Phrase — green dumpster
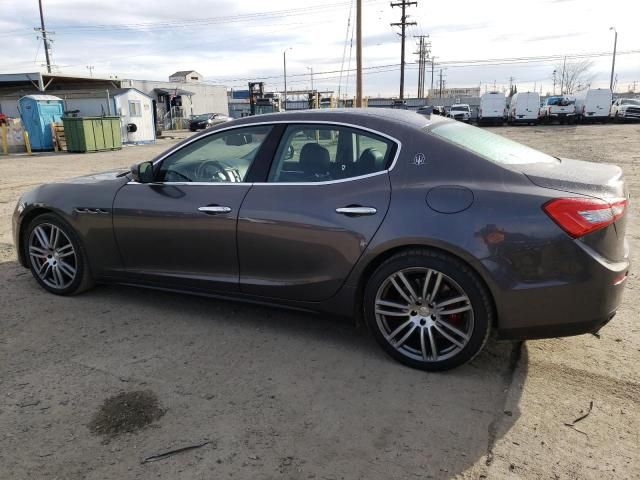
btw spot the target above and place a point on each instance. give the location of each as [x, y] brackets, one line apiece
[92, 134]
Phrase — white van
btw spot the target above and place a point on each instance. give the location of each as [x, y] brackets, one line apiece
[594, 104]
[524, 108]
[493, 108]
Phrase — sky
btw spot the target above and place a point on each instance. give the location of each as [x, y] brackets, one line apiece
[231, 42]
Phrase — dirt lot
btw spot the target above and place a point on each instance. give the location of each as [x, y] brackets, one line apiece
[276, 394]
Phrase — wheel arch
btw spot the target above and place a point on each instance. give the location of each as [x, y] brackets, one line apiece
[22, 229]
[376, 260]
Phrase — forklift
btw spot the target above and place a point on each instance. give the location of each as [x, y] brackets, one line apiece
[262, 102]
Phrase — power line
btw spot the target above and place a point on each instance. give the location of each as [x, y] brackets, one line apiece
[403, 25]
[193, 23]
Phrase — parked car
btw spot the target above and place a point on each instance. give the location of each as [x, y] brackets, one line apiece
[206, 120]
[493, 108]
[624, 109]
[560, 108]
[461, 112]
[425, 110]
[259, 210]
[593, 105]
[523, 108]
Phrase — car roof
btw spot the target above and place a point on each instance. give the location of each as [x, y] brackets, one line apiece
[375, 118]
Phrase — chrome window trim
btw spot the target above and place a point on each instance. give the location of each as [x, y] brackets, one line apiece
[287, 122]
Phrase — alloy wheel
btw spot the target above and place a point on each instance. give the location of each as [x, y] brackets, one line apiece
[424, 314]
[53, 256]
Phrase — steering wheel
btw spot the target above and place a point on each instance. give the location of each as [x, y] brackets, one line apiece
[215, 171]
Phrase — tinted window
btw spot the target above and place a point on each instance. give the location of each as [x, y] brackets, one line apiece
[491, 146]
[320, 153]
[222, 157]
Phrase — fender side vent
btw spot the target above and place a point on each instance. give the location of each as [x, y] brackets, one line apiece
[90, 210]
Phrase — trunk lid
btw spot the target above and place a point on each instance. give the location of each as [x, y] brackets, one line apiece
[599, 180]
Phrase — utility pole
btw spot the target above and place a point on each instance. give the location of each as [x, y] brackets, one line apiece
[90, 68]
[440, 83]
[45, 40]
[311, 70]
[403, 25]
[284, 59]
[554, 81]
[433, 64]
[359, 53]
[613, 61]
[564, 69]
[424, 50]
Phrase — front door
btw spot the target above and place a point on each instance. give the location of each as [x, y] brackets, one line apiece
[301, 232]
[180, 230]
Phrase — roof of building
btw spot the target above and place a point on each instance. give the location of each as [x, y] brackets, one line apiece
[42, 97]
[182, 73]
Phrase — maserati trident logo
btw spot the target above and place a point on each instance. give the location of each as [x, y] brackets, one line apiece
[419, 159]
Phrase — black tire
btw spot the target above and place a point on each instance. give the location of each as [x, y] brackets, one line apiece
[478, 321]
[81, 280]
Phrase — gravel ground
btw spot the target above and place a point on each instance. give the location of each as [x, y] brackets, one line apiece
[267, 393]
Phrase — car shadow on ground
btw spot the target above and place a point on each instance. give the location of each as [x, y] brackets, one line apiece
[266, 384]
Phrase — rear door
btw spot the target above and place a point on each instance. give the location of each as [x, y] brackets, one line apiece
[301, 232]
[180, 230]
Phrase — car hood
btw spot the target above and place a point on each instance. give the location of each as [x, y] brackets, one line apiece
[96, 177]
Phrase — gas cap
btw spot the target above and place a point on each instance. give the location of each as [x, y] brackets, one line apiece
[449, 198]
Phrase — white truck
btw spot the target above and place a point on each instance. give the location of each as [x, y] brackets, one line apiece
[560, 108]
[593, 105]
[493, 108]
[624, 109]
[460, 111]
[523, 108]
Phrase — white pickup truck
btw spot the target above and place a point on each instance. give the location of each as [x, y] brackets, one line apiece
[558, 108]
[626, 109]
[460, 111]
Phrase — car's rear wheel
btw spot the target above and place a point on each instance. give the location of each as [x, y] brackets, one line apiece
[428, 310]
[56, 257]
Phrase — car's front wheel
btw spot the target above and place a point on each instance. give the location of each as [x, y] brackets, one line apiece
[56, 257]
[428, 310]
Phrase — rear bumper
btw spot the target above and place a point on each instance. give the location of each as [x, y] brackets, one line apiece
[558, 308]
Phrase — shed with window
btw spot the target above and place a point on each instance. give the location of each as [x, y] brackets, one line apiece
[136, 115]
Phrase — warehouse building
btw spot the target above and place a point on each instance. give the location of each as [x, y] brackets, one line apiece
[172, 101]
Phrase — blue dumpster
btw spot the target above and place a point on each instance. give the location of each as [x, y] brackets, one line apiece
[37, 113]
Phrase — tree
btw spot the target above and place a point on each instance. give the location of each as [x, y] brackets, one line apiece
[574, 76]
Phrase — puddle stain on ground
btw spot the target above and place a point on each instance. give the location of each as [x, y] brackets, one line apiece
[126, 412]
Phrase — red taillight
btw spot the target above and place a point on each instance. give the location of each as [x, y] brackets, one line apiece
[579, 216]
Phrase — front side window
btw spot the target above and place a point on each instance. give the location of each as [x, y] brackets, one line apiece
[222, 157]
[321, 153]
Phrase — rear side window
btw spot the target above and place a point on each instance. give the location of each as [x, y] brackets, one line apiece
[493, 147]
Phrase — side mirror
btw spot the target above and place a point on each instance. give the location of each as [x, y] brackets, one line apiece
[142, 172]
[290, 152]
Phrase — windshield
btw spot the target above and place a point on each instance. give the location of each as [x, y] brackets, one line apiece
[459, 108]
[493, 147]
[630, 101]
[560, 101]
[204, 116]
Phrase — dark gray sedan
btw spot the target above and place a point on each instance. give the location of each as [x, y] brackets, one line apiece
[433, 232]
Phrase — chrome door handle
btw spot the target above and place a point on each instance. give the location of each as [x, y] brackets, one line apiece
[356, 211]
[214, 209]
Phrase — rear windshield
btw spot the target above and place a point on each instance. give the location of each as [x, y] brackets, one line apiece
[493, 147]
[629, 101]
[459, 108]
